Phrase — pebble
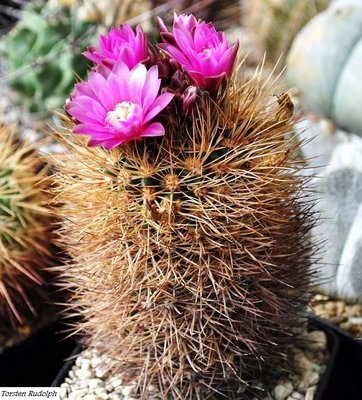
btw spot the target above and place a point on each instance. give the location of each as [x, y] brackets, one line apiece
[95, 383]
[95, 361]
[77, 394]
[127, 390]
[283, 390]
[309, 395]
[85, 364]
[100, 373]
[310, 378]
[91, 397]
[114, 396]
[62, 391]
[303, 362]
[115, 381]
[84, 373]
[355, 320]
[102, 393]
[317, 340]
[296, 396]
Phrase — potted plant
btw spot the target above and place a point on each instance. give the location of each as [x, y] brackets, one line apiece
[184, 215]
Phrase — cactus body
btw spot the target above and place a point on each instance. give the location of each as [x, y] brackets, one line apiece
[25, 227]
[327, 76]
[43, 56]
[190, 258]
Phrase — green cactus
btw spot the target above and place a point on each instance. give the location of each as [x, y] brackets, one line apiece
[25, 234]
[43, 56]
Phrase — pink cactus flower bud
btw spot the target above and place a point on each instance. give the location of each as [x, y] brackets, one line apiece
[120, 44]
[189, 98]
[119, 107]
[202, 52]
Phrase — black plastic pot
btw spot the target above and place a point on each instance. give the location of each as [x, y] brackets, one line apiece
[37, 360]
[342, 379]
[45, 360]
[67, 366]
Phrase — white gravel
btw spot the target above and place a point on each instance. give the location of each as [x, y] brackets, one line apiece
[90, 379]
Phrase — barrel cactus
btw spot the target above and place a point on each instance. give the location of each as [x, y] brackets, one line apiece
[25, 233]
[324, 65]
[183, 216]
[43, 56]
[273, 24]
[337, 168]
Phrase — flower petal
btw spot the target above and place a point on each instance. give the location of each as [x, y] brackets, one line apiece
[154, 129]
[150, 88]
[160, 103]
[136, 82]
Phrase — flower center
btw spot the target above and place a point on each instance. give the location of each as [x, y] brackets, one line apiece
[207, 51]
[122, 112]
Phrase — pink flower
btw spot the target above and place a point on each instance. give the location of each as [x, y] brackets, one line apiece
[120, 44]
[119, 107]
[202, 52]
